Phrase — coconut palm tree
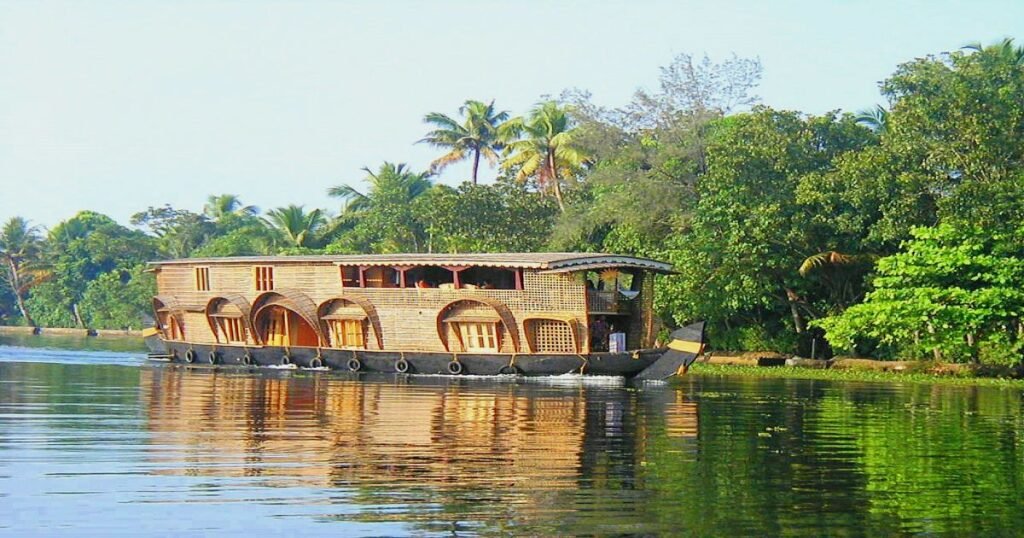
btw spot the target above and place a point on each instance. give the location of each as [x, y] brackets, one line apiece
[1004, 49]
[219, 207]
[299, 229]
[393, 181]
[876, 119]
[482, 132]
[546, 151]
[20, 246]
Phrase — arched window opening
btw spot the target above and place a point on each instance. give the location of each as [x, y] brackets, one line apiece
[168, 318]
[227, 322]
[346, 324]
[172, 328]
[477, 326]
[279, 326]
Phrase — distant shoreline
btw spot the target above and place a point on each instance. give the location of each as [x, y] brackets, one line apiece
[66, 331]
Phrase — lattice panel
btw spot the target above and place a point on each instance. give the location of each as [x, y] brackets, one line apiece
[551, 336]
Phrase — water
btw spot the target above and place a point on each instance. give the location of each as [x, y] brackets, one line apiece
[100, 443]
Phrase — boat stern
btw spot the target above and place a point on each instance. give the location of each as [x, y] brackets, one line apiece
[687, 344]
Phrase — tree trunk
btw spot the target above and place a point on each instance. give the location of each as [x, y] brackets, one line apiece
[975, 359]
[16, 288]
[476, 164]
[798, 321]
[555, 183]
[78, 317]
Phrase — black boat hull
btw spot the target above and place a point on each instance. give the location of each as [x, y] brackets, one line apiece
[626, 364]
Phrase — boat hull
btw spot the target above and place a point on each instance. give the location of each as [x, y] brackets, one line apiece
[627, 364]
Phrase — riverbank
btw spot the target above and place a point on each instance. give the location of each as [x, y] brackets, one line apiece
[65, 331]
[857, 370]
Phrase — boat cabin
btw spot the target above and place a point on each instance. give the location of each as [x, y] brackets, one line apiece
[550, 303]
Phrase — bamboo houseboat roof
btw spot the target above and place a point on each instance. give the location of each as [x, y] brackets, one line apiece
[545, 262]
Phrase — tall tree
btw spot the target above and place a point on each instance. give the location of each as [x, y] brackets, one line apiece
[219, 207]
[20, 246]
[383, 218]
[547, 152]
[298, 228]
[875, 119]
[1005, 49]
[483, 131]
[179, 232]
[78, 251]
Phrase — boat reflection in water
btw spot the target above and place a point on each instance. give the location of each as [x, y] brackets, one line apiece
[433, 449]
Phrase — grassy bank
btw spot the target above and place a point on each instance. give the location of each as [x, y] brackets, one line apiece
[706, 369]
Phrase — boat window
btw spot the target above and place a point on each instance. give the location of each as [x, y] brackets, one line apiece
[347, 333]
[381, 277]
[172, 328]
[264, 277]
[350, 277]
[202, 279]
[550, 336]
[493, 278]
[478, 336]
[229, 330]
[428, 277]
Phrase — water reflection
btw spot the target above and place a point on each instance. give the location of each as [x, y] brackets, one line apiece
[478, 449]
[156, 451]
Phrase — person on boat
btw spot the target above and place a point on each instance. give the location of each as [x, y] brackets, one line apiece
[599, 331]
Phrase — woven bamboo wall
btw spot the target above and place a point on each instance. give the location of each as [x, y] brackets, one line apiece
[408, 317]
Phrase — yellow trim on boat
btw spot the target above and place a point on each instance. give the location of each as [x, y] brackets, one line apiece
[685, 346]
[150, 331]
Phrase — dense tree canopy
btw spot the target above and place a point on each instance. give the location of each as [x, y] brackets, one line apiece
[894, 232]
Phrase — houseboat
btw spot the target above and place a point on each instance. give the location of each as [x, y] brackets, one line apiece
[449, 314]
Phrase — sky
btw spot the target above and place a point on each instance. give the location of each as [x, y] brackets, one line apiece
[118, 106]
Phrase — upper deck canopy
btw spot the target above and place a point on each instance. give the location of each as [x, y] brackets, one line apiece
[547, 262]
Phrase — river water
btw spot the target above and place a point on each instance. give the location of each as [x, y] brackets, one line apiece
[98, 442]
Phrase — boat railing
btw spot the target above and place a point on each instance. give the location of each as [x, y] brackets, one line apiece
[606, 302]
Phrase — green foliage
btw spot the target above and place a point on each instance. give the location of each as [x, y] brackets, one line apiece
[81, 249]
[547, 153]
[955, 293]
[246, 236]
[296, 228]
[178, 232]
[384, 219]
[504, 217]
[749, 234]
[483, 133]
[119, 299]
[21, 267]
[51, 306]
[773, 219]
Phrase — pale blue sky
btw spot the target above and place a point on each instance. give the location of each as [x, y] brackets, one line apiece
[116, 106]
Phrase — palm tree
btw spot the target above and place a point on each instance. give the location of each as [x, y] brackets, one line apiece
[20, 246]
[546, 151]
[219, 207]
[483, 132]
[390, 180]
[876, 119]
[299, 228]
[1004, 49]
